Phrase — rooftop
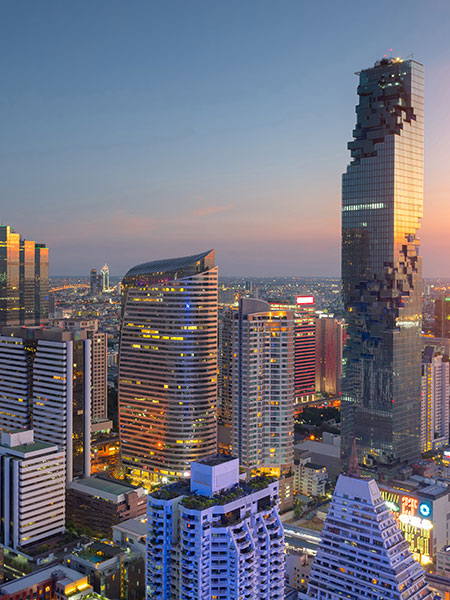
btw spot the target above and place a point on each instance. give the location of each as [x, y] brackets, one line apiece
[109, 487]
[22, 583]
[215, 459]
[170, 265]
[27, 448]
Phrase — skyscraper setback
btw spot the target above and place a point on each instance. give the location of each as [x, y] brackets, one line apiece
[23, 280]
[168, 366]
[382, 200]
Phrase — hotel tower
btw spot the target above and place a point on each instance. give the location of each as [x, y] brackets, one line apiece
[382, 197]
[168, 366]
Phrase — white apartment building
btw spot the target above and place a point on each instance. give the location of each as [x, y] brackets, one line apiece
[362, 553]
[435, 400]
[309, 479]
[32, 489]
[218, 537]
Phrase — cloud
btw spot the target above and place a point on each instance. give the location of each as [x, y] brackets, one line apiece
[211, 210]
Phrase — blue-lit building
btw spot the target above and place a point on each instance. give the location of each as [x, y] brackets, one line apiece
[215, 536]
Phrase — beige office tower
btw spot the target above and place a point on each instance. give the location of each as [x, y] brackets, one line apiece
[263, 390]
[168, 366]
[23, 280]
[99, 362]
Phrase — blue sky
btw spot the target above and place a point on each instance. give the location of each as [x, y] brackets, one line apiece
[139, 130]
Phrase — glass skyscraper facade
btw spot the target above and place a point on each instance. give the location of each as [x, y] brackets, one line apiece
[382, 202]
[168, 366]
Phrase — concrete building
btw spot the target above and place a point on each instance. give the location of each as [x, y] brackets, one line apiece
[115, 574]
[99, 362]
[168, 367]
[261, 384]
[45, 384]
[298, 567]
[330, 336]
[420, 507]
[96, 504]
[132, 534]
[215, 538]
[435, 400]
[443, 561]
[32, 489]
[326, 453]
[362, 553]
[56, 582]
[309, 479]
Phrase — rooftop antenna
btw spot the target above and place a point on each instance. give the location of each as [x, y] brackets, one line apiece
[353, 466]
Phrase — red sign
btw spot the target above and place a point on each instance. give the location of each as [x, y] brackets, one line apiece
[409, 505]
[305, 299]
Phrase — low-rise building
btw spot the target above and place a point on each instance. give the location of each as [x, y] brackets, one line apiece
[114, 573]
[57, 582]
[131, 534]
[309, 479]
[95, 504]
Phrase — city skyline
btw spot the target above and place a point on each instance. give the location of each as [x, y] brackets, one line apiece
[188, 125]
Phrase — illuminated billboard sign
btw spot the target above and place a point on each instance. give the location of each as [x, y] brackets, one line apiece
[305, 300]
[413, 517]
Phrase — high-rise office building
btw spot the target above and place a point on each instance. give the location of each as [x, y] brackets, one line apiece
[99, 362]
[23, 280]
[225, 379]
[45, 385]
[382, 198]
[362, 553]
[32, 489]
[260, 344]
[305, 346]
[330, 335]
[168, 366]
[94, 283]
[217, 538]
[105, 278]
[435, 400]
[442, 316]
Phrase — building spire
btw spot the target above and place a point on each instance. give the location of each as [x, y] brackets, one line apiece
[353, 467]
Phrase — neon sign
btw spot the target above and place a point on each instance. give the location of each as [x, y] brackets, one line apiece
[409, 505]
[305, 299]
[424, 510]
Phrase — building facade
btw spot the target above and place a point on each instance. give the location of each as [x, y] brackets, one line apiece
[45, 385]
[304, 346]
[32, 489]
[105, 278]
[56, 582]
[435, 400]
[23, 280]
[382, 199]
[217, 538]
[442, 316]
[262, 387]
[99, 362]
[168, 366]
[362, 553]
[330, 335]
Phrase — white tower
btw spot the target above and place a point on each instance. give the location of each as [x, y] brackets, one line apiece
[362, 553]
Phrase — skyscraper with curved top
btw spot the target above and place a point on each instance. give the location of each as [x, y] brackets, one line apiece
[382, 200]
[168, 366]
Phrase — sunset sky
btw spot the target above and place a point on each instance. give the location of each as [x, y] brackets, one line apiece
[137, 130]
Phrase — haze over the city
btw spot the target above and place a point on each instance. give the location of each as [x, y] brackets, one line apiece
[172, 128]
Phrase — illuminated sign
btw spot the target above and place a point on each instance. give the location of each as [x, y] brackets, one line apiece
[392, 506]
[424, 509]
[305, 299]
[416, 522]
[409, 505]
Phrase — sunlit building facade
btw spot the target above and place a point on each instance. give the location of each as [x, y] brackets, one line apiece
[330, 336]
[105, 278]
[442, 316]
[23, 280]
[168, 366]
[382, 202]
